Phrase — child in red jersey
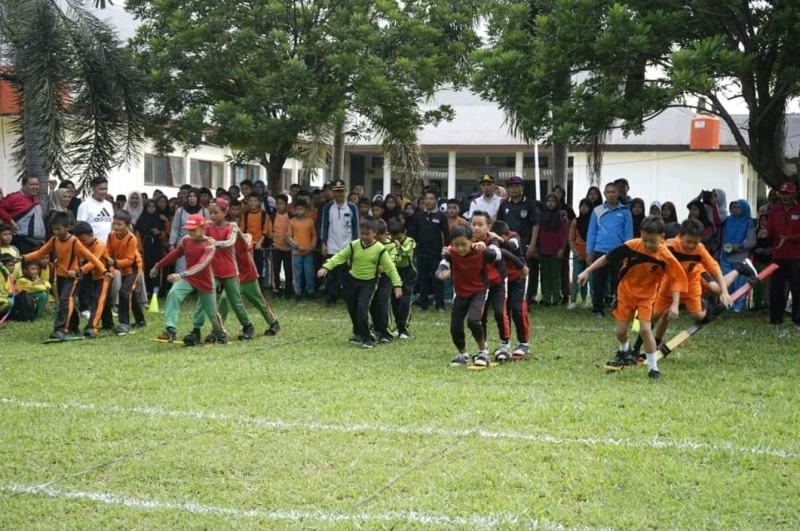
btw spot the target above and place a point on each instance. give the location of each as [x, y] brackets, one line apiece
[226, 272]
[197, 277]
[517, 304]
[466, 261]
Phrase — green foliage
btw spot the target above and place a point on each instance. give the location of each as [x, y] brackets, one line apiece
[569, 70]
[268, 75]
[83, 98]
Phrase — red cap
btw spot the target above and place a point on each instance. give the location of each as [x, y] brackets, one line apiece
[195, 221]
[788, 188]
[222, 203]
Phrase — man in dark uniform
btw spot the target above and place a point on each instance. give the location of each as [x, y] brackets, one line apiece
[521, 215]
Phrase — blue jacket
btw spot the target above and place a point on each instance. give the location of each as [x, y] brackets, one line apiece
[609, 228]
[326, 209]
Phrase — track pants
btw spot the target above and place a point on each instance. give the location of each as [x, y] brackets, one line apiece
[97, 303]
[401, 308]
[471, 308]
[230, 289]
[359, 294]
[379, 307]
[250, 292]
[517, 308]
[497, 300]
[67, 319]
[207, 301]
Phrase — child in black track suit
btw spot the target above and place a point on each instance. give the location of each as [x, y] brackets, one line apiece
[517, 286]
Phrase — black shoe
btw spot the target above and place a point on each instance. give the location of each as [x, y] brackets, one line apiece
[355, 340]
[216, 338]
[748, 270]
[170, 334]
[367, 344]
[273, 329]
[597, 315]
[654, 375]
[90, 334]
[385, 340]
[247, 332]
[58, 334]
[139, 324]
[193, 338]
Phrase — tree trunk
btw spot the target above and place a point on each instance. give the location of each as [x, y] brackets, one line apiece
[35, 150]
[767, 137]
[274, 165]
[337, 154]
[559, 165]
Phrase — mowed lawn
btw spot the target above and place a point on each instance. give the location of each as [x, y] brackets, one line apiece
[304, 431]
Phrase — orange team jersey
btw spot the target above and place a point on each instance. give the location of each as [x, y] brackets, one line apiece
[457, 222]
[694, 263]
[68, 252]
[312, 215]
[123, 250]
[256, 224]
[98, 249]
[304, 232]
[280, 228]
[640, 274]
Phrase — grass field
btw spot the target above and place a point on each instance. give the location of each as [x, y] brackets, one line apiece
[303, 431]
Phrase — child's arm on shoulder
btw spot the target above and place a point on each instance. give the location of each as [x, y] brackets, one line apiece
[443, 271]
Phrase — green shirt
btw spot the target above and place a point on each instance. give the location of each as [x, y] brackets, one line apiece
[404, 254]
[365, 262]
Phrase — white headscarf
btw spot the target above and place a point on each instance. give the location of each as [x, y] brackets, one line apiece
[722, 206]
[135, 212]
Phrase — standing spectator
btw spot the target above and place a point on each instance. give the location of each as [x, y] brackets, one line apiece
[391, 208]
[762, 257]
[738, 239]
[59, 201]
[593, 194]
[623, 187]
[655, 209]
[551, 248]
[75, 202]
[255, 222]
[609, 227]
[570, 215]
[397, 192]
[134, 206]
[637, 215]
[783, 226]
[488, 201]
[430, 229]
[302, 237]
[151, 233]
[670, 217]
[578, 233]
[522, 217]
[716, 208]
[338, 227]
[180, 220]
[97, 210]
[282, 252]
[21, 210]
[711, 234]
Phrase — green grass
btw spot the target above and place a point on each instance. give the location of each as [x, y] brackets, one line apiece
[303, 431]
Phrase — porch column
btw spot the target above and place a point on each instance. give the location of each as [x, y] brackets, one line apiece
[451, 174]
[387, 175]
[519, 164]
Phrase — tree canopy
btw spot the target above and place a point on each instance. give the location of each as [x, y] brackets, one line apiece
[570, 70]
[263, 76]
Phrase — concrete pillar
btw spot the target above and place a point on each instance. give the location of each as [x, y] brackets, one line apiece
[519, 164]
[451, 174]
[387, 175]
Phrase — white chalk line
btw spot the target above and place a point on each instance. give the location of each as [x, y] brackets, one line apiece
[292, 515]
[659, 444]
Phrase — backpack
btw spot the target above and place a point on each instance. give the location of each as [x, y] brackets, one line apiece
[24, 308]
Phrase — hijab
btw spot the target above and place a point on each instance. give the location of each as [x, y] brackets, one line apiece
[637, 218]
[656, 204]
[736, 227]
[599, 200]
[148, 221]
[551, 218]
[722, 206]
[583, 220]
[56, 200]
[135, 212]
[391, 213]
[189, 209]
[674, 217]
[703, 216]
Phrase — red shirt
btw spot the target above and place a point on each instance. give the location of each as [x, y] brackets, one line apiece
[513, 245]
[784, 222]
[496, 270]
[469, 273]
[244, 259]
[198, 263]
[224, 263]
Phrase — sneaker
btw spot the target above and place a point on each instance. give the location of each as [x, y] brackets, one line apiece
[139, 324]
[385, 340]
[85, 314]
[90, 334]
[122, 330]
[247, 332]
[654, 375]
[624, 358]
[355, 340]
[367, 344]
[216, 338]
[461, 360]
[403, 335]
[481, 359]
[571, 306]
[193, 338]
[115, 311]
[168, 335]
[273, 329]
[58, 334]
[748, 270]
[501, 354]
[520, 351]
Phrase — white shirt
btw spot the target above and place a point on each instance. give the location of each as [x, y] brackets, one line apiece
[481, 204]
[339, 227]
[99, 215]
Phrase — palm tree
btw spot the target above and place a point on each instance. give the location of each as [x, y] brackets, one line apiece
[82, 97]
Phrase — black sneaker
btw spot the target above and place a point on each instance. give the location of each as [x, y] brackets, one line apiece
[385, 340]
[122, 330]
[90, 334]
[139, 324]
[193, 338]
[273, 329]
[748, 270]
[481, 359]
[367, 344]
[220, 339]
[58, 334]
[355, 340]
[654, 375]
[247, 332]
[624, 358]
[170, 334]
[460, 361]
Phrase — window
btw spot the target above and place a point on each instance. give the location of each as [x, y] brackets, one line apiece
[207, 174]
[251, 172]
[163, 171]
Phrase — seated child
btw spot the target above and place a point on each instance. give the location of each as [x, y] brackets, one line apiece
[33, 283]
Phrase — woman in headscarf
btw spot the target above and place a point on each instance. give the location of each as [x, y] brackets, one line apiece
[151, 231]
[58, 201]
[594, 195]
[717, 210]
[637, 214]
[578, 233]
[134, 207]
[711, 237]
[391, 208]
[738, 239]
[655, 208]
[570, 215]
[670, 216]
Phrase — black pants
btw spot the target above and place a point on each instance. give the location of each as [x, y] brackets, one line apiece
[428, 283]
[497, 300]
[517, 309]
[472, 309]
[282, 259]
[335, 280]
[601, 277]
[533, 279]
[67, 319]
[379, 307]
[788, 272]
[358, 294]
[261, 259]
[85, 293]
[100, 289]
[128, 302]
[402, 307]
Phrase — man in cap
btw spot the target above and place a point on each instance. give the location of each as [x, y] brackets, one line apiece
[783, 227]
[488, 201]
[338, 227]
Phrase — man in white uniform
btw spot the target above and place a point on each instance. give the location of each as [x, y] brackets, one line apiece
[488, 201]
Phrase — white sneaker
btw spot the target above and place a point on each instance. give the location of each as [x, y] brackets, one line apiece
[520, 351]
[85, 314]
[571, 306]
[403, 335]
[502, 349]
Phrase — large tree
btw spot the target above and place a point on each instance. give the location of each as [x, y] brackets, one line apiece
[82, 96]
[263, 77]
[625, 63]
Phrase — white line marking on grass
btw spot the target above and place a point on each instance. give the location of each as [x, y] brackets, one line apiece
[291, 515]
[660, 444]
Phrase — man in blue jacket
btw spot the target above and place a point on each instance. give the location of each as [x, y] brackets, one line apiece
[610, 226]
[338, 227]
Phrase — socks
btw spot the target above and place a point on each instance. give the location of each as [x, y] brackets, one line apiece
[625, 347]
[651, 362]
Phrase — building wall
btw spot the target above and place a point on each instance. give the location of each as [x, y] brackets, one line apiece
[672, 176]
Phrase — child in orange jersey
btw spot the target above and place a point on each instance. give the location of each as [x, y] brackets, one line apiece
[100, 283]
[301, 237]
[282, 252]
[644, 262]
[256, 222]
[122, 250]
[68, 251]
